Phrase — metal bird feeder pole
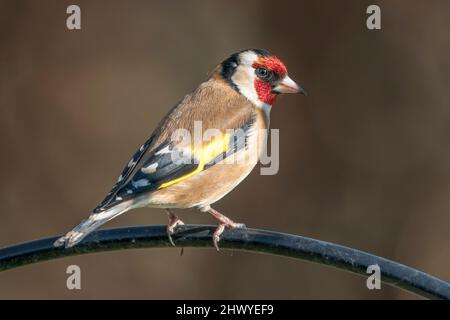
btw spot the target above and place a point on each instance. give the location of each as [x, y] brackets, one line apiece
[250, 240]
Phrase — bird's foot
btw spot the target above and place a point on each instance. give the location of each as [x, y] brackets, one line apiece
[174, 222]
[221, 228]
[224, 222]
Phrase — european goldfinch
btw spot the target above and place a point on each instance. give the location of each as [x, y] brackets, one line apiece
[172, 171]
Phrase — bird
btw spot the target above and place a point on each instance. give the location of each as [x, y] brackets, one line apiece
[172, 170]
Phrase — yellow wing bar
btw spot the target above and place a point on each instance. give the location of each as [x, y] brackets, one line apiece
[203, 154]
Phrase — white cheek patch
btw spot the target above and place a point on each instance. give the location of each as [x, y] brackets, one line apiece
[244, 77]
[245, 81]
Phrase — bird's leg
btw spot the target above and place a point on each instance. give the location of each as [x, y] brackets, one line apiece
[224, 222]
[174, 222]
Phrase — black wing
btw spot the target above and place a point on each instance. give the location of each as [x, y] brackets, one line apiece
[166, 165]
[124, 176]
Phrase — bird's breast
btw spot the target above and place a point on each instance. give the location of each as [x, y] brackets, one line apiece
[211, 184]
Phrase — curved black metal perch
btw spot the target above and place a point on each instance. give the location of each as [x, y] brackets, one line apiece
[262, 241]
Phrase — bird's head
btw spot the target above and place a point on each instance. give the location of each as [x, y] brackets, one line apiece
[258, 75]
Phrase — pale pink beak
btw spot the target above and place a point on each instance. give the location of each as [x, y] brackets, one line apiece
[287, 85]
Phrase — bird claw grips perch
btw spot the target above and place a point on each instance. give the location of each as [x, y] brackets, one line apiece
[249, 240]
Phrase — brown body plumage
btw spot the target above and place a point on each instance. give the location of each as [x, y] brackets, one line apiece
[235, 103]
[227, 109]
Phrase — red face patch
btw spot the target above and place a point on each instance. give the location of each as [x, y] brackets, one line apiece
[264, 89]
[274, 64]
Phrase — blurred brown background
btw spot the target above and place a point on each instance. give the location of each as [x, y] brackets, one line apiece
[364, 158]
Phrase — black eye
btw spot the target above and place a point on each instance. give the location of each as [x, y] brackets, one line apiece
[264, 74]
